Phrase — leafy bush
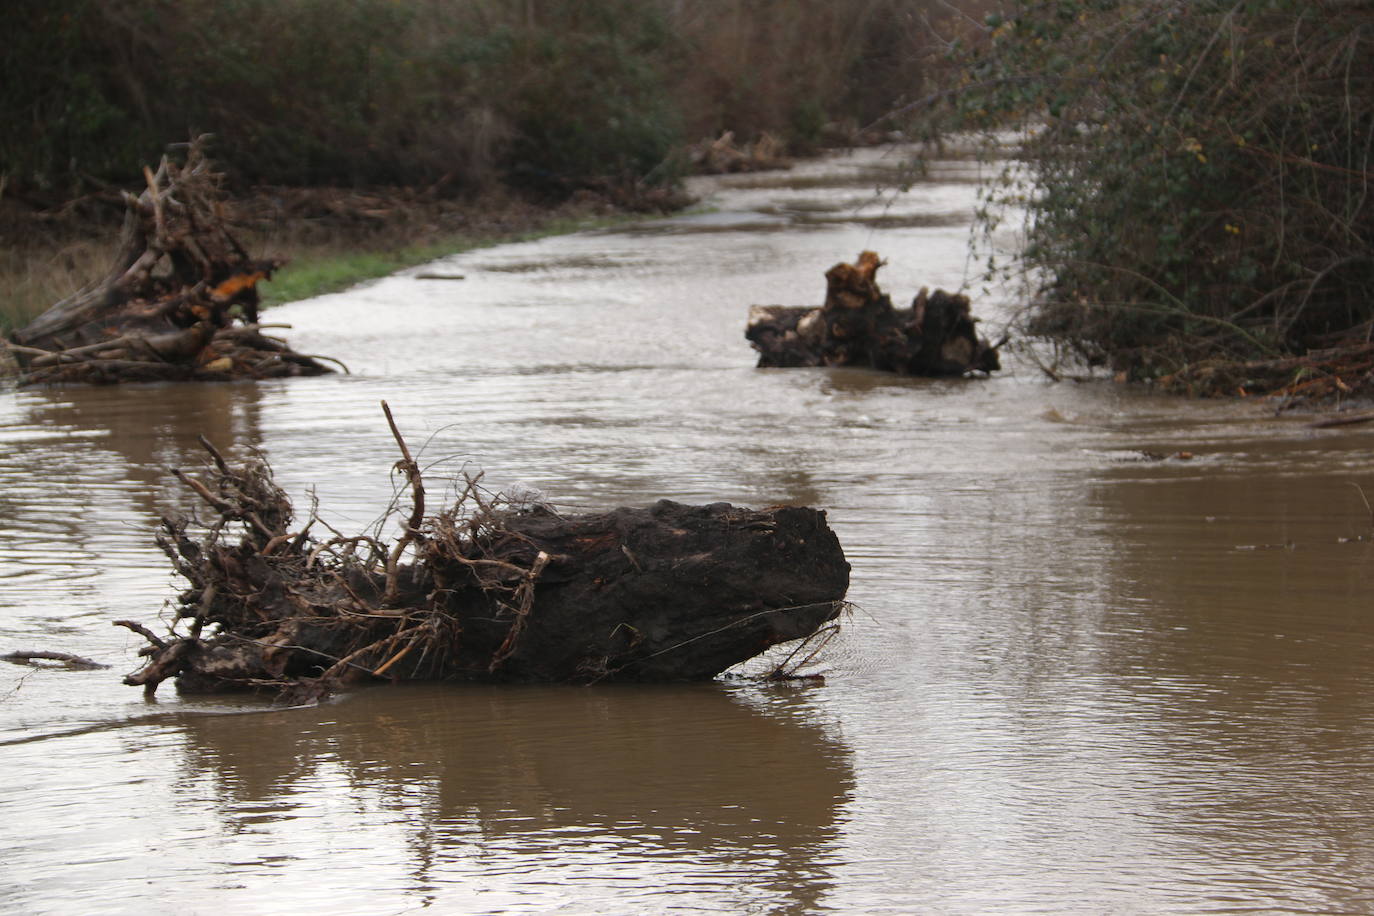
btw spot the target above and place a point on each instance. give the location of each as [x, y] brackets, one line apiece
[65, 111]
[328, 92]
[460, 92]
[592, 98]
[1199, 172]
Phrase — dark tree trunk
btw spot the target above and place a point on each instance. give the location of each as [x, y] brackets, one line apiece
[490, 592]
[857, 326]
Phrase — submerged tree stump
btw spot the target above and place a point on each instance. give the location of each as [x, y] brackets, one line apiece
[858, 326]
[483, 591]
[180, 301]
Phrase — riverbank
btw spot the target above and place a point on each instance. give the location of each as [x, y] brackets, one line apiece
[330, 238]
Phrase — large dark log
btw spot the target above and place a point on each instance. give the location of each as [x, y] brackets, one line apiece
[858, 326]
[488, 591]
[175, 303]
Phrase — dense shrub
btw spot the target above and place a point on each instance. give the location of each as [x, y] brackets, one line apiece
[65, 101]
[592, 98]
[328, 92]
[551, 94]
[1198, 172]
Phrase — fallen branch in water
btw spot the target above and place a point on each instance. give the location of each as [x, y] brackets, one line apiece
[66, 659]
[1352, 419]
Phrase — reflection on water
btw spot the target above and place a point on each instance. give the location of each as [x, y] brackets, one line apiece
[85, 475]
[593, 786]
[118, 419]
[1083, 673]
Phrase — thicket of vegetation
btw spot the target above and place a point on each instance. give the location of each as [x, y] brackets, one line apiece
[1196, 172]
[413, 127]
[1197, 179]
[543, 94]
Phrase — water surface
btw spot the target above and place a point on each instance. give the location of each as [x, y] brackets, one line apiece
[1077, 678]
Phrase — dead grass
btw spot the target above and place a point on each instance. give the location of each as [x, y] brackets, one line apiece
[33, 277]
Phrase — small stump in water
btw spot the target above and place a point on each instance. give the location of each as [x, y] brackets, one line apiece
[179, 303]
[483, 591]
[857, 326]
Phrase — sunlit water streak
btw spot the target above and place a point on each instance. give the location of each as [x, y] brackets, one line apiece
[1076, 679]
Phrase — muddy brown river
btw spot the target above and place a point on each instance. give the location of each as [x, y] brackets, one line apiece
[1075, 679]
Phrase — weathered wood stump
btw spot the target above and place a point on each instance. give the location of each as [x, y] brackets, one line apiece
[858, 326]
[484, 591]
[180, 301]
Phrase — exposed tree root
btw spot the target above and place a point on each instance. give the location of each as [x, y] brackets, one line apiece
[857, 326]
[179, 303]
[482, 590]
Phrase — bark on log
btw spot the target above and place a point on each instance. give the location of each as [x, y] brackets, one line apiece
[858, 326]
[168, 306]
[492, 592]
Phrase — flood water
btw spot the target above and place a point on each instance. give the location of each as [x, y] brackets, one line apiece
[1075, 679]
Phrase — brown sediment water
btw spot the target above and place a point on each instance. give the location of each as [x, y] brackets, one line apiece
[1109, 651]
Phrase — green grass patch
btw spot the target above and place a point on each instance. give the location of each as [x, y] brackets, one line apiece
[317, 272]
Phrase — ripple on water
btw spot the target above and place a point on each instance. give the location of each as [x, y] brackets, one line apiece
[1061, 684]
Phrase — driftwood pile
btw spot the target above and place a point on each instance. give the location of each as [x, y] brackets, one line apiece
[858, 326]
[483, 590]
[724, 155]
[1320, 375]
[180, 301]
